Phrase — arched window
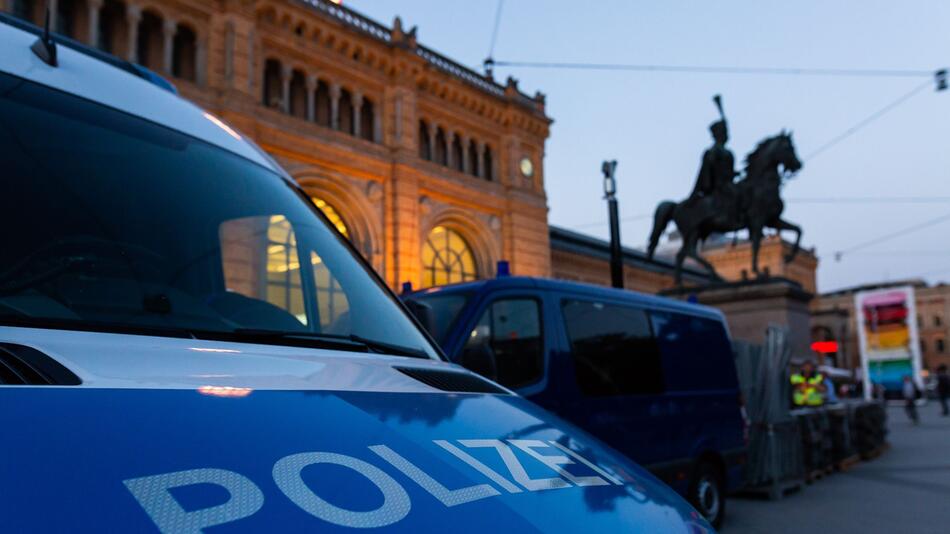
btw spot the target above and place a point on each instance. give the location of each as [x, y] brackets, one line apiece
[472, 159]
[112, 27]
[151, 41]
[298, 94]
[272, 84]
[185, 54]
[425, 150]
[446, 258]
[487, 169]
[331, 300]
[439, 150]
[346, 111]
[367, 122]
[458, 156]
[322, 103]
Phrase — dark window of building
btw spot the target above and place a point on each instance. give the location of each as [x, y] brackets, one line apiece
[938, 321]
[322, 102]
[367, 122]
[346, 111]
[614, 350]
[697, 354]
[425, 150]
[472, 159]
[458, 155]
[24, 9]
[923, 346]
[439, 150]
[66, 17]
[185, 55]
[298, 94]
[272, 84]
[487, 169]
[940, 346]
[512, 329]
[112, 27]
[151, 41]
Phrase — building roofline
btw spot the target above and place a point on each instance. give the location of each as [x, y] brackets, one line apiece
[380, 32]
[578, 243]
[917, 283]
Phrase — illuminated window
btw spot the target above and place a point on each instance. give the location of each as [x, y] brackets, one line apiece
[333, 215]
[331, 299]
[283, 268]
[446, 258]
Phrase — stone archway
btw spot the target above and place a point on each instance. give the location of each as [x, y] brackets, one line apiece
[355, 207]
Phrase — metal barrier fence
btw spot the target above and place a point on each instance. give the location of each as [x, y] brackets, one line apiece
[788, 447]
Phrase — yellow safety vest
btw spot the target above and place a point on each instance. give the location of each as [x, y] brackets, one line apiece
[810, 396]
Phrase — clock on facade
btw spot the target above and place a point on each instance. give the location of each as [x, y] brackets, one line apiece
[527, 167]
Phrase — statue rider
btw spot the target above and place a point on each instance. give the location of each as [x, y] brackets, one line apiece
[718, 168]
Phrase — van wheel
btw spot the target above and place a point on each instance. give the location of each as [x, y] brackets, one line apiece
[706, 493]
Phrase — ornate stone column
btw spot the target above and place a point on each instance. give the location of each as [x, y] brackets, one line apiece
[335, 106]
[357, 112]
[480, 157]
[466, 157]
[169, 29]
[53, 6]
[449, 156]
[133, 16]
[378, 123]
[93, 7]
[433, 128]
[312, 83]
[286, 72]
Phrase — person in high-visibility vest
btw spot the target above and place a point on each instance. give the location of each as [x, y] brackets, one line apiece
[809, 386]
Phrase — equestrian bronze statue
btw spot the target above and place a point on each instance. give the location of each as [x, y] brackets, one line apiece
[719, 204]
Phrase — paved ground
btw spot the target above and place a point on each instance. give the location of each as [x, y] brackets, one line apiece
[907, 489]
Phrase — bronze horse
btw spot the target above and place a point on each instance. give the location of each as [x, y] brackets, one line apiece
[753, 203]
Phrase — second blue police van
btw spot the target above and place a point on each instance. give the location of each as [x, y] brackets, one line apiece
[651, 376]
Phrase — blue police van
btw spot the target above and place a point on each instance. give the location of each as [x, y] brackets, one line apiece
[169, 362]
[653, 377]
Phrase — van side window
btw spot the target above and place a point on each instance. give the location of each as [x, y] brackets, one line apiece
[613, 348]
[512, 329]
[697, 354]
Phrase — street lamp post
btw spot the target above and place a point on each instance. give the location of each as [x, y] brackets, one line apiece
[610, 190]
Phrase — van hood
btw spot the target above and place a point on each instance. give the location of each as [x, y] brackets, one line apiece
[240, 458]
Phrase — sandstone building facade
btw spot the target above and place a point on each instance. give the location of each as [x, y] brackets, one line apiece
[432, 170]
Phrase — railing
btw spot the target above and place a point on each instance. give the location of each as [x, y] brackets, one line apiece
[464, 73]
[351, 18]
[377, 30]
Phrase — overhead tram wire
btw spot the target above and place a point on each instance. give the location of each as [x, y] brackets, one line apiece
[887, 237]
[494, 32]
[717, 69]
[868, 120]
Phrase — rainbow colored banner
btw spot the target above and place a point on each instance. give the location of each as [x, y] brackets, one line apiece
[888, 337]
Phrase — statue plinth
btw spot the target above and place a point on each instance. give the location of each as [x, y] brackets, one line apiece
[751, 306]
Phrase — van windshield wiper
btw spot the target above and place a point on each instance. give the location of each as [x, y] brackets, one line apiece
[349, 342]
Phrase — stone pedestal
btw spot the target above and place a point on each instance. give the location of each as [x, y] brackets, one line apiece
[751, 306]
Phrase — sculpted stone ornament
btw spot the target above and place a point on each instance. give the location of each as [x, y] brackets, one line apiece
[719, 204]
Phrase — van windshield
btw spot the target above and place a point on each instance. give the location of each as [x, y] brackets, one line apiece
[114, 223]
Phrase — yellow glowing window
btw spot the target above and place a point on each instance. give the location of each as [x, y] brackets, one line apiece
[333, 215]
[446, 258]
[283, 268]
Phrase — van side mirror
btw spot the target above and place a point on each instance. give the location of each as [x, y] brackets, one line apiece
[423, 313]
[480, 359]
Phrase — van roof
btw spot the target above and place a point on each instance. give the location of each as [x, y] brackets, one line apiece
[547, 284]
[104, 79]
